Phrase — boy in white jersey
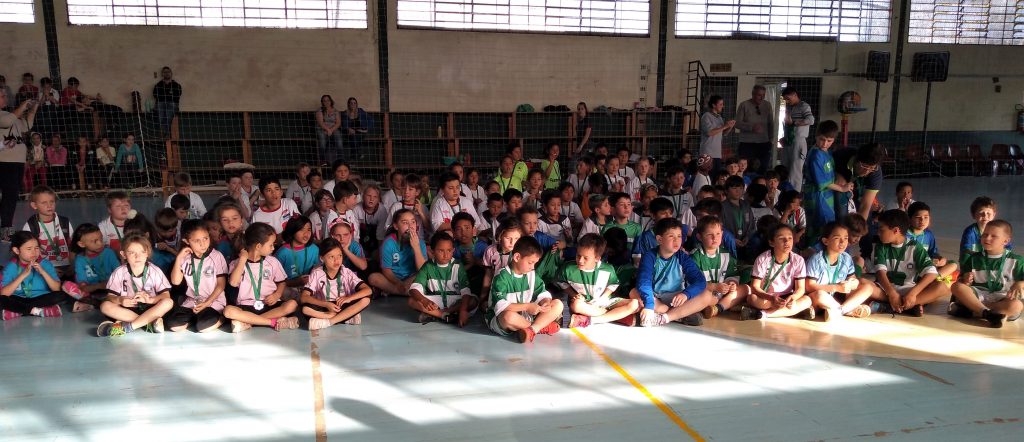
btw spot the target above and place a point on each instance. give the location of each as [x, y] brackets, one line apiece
[119, 206]
[299, 190]
[275, 210]
[54, 232]
[183, 186]
[441, 289]
[590, 284]
[905, 275]
[346, 196]
[992, 283]
[552, 222]
[450, 203]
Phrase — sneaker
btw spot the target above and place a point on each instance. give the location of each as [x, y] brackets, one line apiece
[287, 323]
[994, 319]
[829, 315]
[810, 313]
[157, 326]
[628, 321]
[8, 315]
[52, 311]
[423, 318]
[355, 320]
[525, 335]
[710, 311]
[111, 329]
[958, 311]
[579, 321]
[72, 289]
[860, 311]
[748, 313]
[239, 326]
[881, 307]
[658, 320]
[550, 329]
[916, 311]
[319, 323]
[694, 320]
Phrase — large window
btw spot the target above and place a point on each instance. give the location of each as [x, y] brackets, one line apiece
[616, 17]
[847, 20]
[244, 13]
[987, 22]
[17, 11]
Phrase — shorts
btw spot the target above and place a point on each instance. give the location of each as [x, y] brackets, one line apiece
[179, 316]
[606, 303]
[251, 309]
[452, 300]
[496, 327]
[987, 297]
[666, 298]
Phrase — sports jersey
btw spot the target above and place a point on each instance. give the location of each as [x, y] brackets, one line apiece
[494, 259]
[508, 288]
[970, 242]
[321, 224]
[675, 274]
[442, 284]
[325, 288]
[591, 284]
[442, 212]
[259, 277]
[302, 196]
[112, 235]
[926, 239]
[298, 261]
[779, 278]
[196, 208]
[34, 284]
[718, 267]
[903, 263]
[53, 240]
[632, 229]
[276, 218]
[95, 268]
[560, 229]
[210, 267]
[126, 284]
[823, 272]
[399, 257]
[995, 273]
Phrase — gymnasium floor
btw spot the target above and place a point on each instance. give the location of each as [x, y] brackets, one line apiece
[931, 378]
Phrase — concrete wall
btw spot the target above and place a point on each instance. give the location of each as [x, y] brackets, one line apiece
[269, 69]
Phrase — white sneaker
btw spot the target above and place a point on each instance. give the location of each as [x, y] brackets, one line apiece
[319, 323]
[657, 321]
[239, 326]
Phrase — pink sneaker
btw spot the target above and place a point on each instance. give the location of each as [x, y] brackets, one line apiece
[8, 315]
[52, 311]
[72, 289]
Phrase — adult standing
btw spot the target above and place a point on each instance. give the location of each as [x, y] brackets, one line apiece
[799, 119]
[355, 124]
[583, 131]
[713, 128]
[328, 122]
[167, 94]
[14, 126]
[754, 120]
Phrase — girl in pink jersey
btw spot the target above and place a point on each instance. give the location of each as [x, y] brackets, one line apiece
[140, 293]
[334, 293]
[203, 270]
[777, 289]
[260, 281]
[498, 255]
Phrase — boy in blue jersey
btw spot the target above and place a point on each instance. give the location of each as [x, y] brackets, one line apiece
[660, 209]
[983, 210]
[669, 284]
[920, 219]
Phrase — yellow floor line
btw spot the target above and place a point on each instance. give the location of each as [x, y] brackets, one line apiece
[672, 416]
[318, 393]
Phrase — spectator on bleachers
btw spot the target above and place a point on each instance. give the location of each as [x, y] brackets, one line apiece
[27, 91]
[35, 162]
[48, 96]
[105, 155]
[329, 122]
[130, 163]
[799, 119]
[73, 97]
[356, 124]
[57, 163]
[754, 120]
[7, 91]
[14, 127]
[167, 94]
[713, 128]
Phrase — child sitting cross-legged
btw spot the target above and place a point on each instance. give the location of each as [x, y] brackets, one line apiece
[519, 303]
[669, 283]
[905, 275]
[140, 293]
[260, 281]
[719, 267]
[333, 293]
[777, 288]
[831, 277]
[441, 289]
[590, 284]
[203, 270]
[992, 282]
[31, 286]
[920, 219]
[401, 255]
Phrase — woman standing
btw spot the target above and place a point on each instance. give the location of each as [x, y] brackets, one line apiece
[356, 124]
[328, 121]
[13, 126]
[712, 129]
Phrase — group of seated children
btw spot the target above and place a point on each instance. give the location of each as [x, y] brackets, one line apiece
[607, 241]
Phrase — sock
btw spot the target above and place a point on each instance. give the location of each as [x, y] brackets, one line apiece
[36, 311]
[127, 327]
[273, 323]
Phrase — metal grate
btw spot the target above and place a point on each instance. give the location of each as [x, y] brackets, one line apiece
[986, 22]
[846, 20]
[308, 14]
[615, 17]
[17, 11]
